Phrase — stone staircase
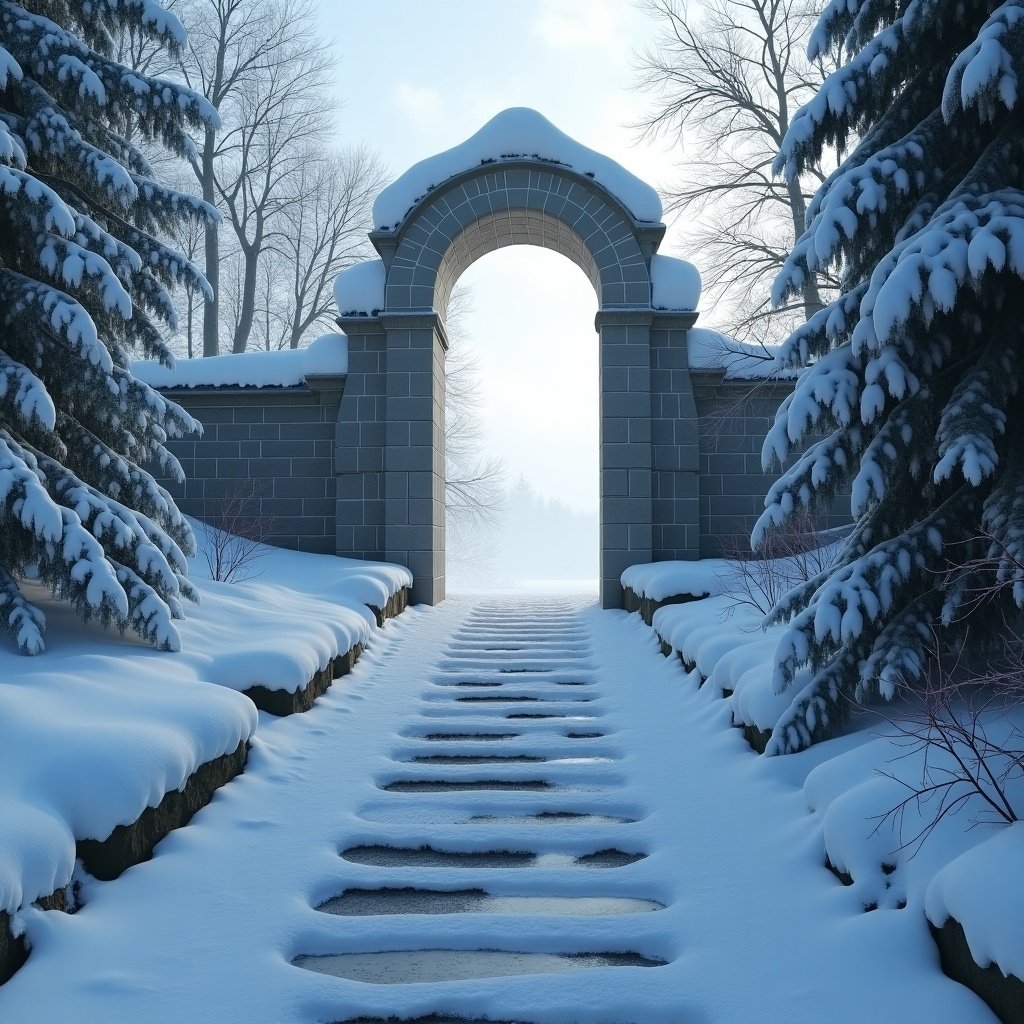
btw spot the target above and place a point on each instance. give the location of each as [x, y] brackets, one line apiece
[502, 842]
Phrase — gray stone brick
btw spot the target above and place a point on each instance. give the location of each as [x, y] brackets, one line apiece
[322, 507]
[232, 469]
[625, 456]
[631, 404]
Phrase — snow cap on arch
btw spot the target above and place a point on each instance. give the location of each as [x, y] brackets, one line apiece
[515, 134]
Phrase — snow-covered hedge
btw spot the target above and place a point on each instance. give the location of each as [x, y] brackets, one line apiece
[968, 866]
[100, 727]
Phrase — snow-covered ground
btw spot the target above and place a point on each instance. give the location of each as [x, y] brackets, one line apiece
[102, 726]
[967, 867]
[753, 927]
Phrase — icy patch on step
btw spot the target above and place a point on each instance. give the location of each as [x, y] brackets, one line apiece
[471, 737]
[551, 818]
[478, 759]
[466, 786]
[434, 965]
[379, 902]
[428, 857]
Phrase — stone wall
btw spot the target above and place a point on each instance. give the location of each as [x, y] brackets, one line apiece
[286, 449]
[272, 447]
[733, 418]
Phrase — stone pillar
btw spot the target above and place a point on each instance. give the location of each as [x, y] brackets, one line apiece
[626, 535]
[359, 441]
[414, 450]
[674, 441]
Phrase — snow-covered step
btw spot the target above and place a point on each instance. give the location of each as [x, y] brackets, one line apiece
[510, 754]
[515, 713]
[536, 808]
[547, 679]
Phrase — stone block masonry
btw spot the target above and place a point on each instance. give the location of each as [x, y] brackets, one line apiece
[270, 452]
[733, 417]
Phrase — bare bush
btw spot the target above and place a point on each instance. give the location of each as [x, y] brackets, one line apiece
[234, 535]
[793, 554]
[958, 725]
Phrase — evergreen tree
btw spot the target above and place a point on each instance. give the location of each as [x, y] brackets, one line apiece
[84, 280]
[913, 371]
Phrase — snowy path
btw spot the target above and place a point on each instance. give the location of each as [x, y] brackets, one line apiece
[526, 778]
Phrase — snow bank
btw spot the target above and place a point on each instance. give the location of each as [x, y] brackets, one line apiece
[731, 650]
[965, 867]
[100, 727]
[328, 355]
[675, 284]
[94, 731]
[514, 134]
[359, 289]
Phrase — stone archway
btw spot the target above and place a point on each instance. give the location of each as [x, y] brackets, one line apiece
[517, 181]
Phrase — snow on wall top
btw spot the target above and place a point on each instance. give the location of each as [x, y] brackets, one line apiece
[287, 368]
[708, 349]
[516, 133]
[359, 289]
[675, 284]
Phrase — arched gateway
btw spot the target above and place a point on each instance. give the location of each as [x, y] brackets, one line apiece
[517, 181]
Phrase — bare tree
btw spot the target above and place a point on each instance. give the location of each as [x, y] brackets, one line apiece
[322, 231]
[732, 81]
[474, 482]
[263, 65]
[234, 534]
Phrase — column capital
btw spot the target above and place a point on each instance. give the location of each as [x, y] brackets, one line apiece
[645, 316]
[639, 316]
[353, 325]
[415, 319]
[673, 319]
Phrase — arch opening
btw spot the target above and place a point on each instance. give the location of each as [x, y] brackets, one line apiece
[536, 385]
[510, 228]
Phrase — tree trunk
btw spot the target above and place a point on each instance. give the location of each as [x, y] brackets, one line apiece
[211, 308]
[811, 295]
[243, 328]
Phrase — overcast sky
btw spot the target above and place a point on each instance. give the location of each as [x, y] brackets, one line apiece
[418, 77]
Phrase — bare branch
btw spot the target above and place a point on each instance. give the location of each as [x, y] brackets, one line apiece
[730, 81]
